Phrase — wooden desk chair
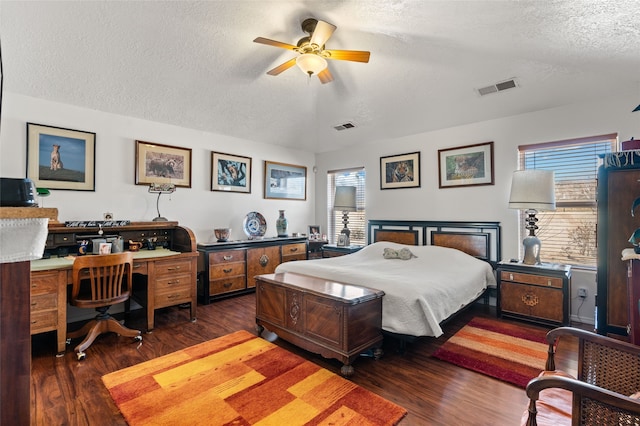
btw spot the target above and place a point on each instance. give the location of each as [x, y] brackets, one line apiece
[99, 282]
[605, 391]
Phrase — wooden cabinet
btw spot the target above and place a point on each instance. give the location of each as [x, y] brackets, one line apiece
[618, 187]
[49, 304]
[229, 268]
[332, 250]
[537, 293]
[335, 320]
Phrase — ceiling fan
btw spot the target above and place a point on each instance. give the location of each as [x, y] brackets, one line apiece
[313, 55]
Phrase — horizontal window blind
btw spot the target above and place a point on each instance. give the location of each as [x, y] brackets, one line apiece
[568, 234]
[357, 225]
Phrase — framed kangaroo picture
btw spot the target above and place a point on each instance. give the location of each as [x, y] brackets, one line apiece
[157, 163]
[59, 158]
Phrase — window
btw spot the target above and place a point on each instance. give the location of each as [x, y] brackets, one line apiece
[357, 225]
[568, 234]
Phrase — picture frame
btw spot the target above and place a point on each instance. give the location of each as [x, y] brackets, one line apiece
[469, 165]
[314, 232]
[230, 173]
[285, 181]
[60, 158]
[400, 171]
[342, 240]
[158, 163]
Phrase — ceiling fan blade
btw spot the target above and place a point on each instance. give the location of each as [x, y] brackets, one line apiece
[322, 33]
[274, 43]
[348, 55]
[283, 67]
[325, 76]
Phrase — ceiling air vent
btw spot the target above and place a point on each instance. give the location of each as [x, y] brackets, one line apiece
[345, 126]
[498, 87]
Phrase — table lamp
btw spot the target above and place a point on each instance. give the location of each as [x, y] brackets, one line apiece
[161, 188]
[532, 190]
[345, 200]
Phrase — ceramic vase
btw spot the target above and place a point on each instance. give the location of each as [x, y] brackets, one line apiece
[281, 225]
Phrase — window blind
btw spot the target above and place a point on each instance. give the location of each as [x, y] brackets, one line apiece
[568, 234]
[357, 225]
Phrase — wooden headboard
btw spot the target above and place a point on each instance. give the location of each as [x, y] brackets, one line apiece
[479, 239]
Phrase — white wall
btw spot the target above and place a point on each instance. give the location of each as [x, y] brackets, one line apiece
[481, 203]
[197, 207]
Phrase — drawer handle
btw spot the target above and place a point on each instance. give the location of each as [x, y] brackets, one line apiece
[34, 285]
[137, 265]
[227, 257]
[549, 283]
[264, 260]
[34, 304]
[173, 268]
[227, 285]
[173, 296]
[511, 277]
[173, 282]
[530, 299]
[294, 249]
[226, 271]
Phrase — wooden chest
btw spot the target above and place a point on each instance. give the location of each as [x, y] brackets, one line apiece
[332, 319]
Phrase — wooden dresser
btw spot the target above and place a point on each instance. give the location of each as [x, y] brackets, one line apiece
[536, 293]
[229, 268]
[332, 319]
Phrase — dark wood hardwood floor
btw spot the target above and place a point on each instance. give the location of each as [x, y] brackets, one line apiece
[65, 391]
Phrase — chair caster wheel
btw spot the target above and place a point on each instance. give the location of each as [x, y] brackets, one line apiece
[81, 356]
[138, 339]
[68, 341]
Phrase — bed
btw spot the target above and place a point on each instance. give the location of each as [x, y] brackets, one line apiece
[451, 267]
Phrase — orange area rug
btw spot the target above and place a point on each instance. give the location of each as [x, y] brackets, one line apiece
[241, 379]
[513, 353]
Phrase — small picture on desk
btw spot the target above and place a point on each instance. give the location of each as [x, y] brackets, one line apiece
[314, 232]
[342, 240]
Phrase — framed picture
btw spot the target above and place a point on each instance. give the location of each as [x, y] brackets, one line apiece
[60, 158]
[314, 232]
[342, 240]
[157, 163]
[400, 171]
[230, 173]
[466, 165]
[285, 181]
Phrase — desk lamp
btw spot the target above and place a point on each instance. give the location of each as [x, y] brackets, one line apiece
[161, 188]
[532, 190]
[345, 200]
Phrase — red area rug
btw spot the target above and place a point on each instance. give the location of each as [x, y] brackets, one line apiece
[240, 379]
[513, 353]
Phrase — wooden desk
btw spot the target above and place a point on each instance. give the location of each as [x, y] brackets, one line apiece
[170, 270]
[171, 280]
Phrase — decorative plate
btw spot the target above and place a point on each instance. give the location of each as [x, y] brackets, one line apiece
[254, 225]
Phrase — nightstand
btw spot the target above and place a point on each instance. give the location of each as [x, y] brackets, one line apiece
[536, 293]
[332, 250]
[315, 248]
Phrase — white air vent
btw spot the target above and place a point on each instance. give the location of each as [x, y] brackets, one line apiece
[498, 87]
[345, 126]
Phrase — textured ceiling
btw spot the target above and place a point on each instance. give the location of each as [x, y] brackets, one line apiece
[193, 64]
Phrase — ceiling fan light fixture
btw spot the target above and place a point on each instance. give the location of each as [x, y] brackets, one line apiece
[311, 64]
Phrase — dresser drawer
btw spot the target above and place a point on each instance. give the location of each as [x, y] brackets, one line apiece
[226, 270]
[44, 283]
[174, 282]
[43, 321]
[531, 279]
[227, 285]
[532, 301]
[171, 298]
[299, 256]
[294, 249]
[139, 268]
[172, 267]
[227, 256]
[43, 302]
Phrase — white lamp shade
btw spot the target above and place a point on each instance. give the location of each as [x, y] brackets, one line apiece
[311, 64]
[345, 199]
[533, 189]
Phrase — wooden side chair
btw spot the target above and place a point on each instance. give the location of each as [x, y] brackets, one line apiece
[605, 391]
[99, 282]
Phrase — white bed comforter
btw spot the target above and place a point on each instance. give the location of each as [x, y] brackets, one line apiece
[419, 293]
